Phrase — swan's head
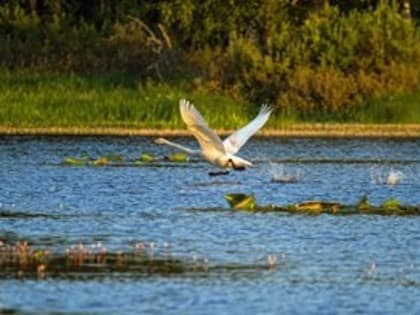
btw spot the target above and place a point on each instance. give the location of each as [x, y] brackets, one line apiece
[160, 141]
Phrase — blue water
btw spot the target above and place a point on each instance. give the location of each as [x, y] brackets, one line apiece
[325, 264]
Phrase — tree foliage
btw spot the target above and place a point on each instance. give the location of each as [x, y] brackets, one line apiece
[304, 56]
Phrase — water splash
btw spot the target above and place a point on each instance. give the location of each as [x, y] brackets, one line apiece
[370, 272]
[278, 174]
[381, 176]
[394, 177]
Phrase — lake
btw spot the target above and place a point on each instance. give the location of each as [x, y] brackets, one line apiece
[233, 262]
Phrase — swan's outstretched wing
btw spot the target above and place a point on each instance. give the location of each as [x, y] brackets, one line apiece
[237, 139]
[206, 137]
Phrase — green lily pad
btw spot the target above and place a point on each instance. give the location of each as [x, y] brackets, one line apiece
[318, 207]
[241, 201]
[102, 161]
[147, 157]
[391, 204]
[76, 161]
[178, 157]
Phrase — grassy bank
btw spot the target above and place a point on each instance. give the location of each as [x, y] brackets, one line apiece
[121, 102]
[306, 130]
[111, 100]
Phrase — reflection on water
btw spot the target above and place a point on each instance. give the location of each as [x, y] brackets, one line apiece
[271, 262]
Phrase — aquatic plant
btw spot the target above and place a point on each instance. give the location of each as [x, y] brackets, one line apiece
[363, 204]
[241, 201]
[247, 202]
[71, 161]
[147, 157]
[316, 207]
[391, 204]
[118, 160]
[102, 161]
[178, 157]
[24, 261]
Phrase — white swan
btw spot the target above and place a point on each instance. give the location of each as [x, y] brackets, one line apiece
[212, 148]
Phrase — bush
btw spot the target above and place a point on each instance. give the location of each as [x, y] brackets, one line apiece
[303, 58]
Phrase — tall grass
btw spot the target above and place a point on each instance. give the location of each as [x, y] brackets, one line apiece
[117, 100]
[400, 108]
[111, 100]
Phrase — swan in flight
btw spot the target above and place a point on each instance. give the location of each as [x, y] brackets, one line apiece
[212, 148]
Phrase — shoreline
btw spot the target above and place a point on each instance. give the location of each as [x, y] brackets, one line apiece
[303, 130]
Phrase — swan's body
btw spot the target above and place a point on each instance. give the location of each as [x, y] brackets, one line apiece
[212, 148]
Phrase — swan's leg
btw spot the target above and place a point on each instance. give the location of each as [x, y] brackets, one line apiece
[236, 168]
[218, 173]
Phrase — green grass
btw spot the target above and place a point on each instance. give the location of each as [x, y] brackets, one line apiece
[400, 109]
[120, 100]
[111, 100]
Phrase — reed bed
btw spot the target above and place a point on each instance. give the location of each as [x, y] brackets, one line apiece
[120, 104]
[22, 260]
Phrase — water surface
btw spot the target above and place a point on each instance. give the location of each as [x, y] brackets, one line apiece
[325, 264]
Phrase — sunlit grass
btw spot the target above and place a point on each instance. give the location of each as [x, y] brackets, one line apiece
[116, 100]
[111, 100]
[403, 108]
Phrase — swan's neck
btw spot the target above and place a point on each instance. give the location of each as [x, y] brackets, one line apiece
[180, 147]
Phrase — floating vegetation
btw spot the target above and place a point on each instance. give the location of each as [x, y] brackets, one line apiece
[147, 157]
[102, 161]
[76, 161]
[391, 203]
[241, 201]
[117, 160]
[21, 260]
[391, 206]
[178, 157]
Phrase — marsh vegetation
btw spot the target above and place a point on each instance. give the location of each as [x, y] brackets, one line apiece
[127, 64]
